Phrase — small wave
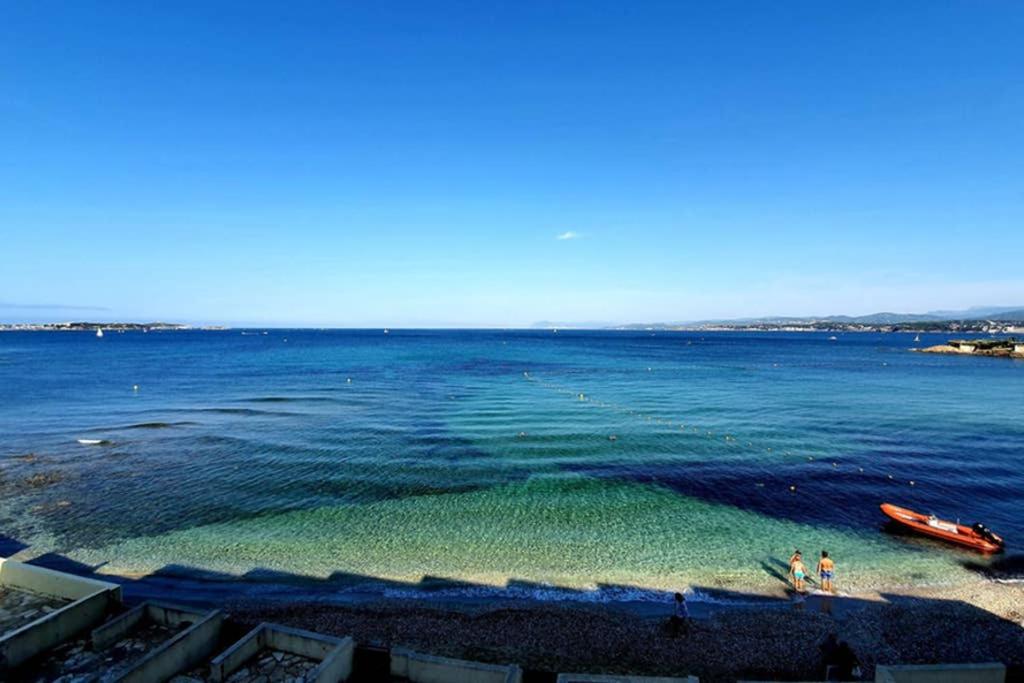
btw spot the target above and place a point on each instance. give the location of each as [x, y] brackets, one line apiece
[539, 593]
[239, 411]
[596, 595]
[159, 425]
[709, 598]
[146, 425]
[95, 442]
[290, 399]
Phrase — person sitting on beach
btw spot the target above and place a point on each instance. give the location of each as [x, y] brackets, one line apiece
[826, 570]
[799, 573]
[680, 621]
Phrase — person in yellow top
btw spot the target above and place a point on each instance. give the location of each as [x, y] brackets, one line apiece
[827, 571]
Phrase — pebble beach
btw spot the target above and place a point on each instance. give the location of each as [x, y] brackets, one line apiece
[977, 622]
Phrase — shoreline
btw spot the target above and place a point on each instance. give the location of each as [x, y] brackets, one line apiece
[463, 594]
[347, 588]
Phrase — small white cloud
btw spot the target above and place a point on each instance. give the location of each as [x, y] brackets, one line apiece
[568, 235]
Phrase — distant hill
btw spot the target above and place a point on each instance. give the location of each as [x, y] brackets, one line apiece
[1016, 315]
[995, 313]
[980, 313]
[1004, 313]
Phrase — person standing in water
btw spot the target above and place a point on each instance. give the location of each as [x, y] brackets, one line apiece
[799, 572]
[827, 571]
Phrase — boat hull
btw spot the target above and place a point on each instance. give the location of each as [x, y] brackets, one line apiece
[951, 533]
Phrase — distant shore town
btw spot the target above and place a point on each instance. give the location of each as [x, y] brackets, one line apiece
[834, 326]
[110, 327]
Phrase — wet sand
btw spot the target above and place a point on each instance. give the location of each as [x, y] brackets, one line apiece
[769, 635]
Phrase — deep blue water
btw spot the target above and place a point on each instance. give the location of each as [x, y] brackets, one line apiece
[482, 454]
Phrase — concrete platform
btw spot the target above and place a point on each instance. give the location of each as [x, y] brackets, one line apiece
[622, 678]
[18, 607]
[420, 668]
[269, 648]
[179, 638]
[941, 673]
[82, 603]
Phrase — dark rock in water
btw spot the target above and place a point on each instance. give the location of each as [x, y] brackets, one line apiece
[42, 479]
[1007, 568]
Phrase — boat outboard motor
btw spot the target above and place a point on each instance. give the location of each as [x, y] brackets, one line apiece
[986, 533]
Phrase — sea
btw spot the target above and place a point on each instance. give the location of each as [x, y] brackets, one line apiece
[588, 465]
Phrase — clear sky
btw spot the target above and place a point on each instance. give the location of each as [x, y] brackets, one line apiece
[481, 163]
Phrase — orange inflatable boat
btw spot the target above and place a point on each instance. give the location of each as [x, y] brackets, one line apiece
[977, 537]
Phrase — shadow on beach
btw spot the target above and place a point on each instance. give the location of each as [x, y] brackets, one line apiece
[734, 634]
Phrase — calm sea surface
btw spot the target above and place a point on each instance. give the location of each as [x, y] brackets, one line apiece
[602, 461]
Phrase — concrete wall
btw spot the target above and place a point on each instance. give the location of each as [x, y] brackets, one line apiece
[181, 653]
[49, 582]
[421, 668]
[335, 654]
[941, 673]
[616, 678]
[93, 600]
[224, 664]
[151, 611]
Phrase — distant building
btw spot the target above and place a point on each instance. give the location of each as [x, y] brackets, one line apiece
[963, 346]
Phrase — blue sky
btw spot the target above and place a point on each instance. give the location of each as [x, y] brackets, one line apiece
[416, 163]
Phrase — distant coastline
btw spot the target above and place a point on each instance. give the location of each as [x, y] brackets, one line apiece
[978, 320]
[936, 327]
[93, 326]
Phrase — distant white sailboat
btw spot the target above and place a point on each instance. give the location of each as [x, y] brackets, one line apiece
[99, 331]
[387, 331]
[917, 338]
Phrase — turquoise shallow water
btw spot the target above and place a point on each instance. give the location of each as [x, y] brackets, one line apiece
[474, 459]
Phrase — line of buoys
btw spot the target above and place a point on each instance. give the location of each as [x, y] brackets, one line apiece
[728, 438]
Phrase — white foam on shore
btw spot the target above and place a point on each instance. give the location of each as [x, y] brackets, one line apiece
[540, 593]
[595, 595]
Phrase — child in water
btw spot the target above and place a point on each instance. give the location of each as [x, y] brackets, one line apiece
[798, 571]
[826, 570]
